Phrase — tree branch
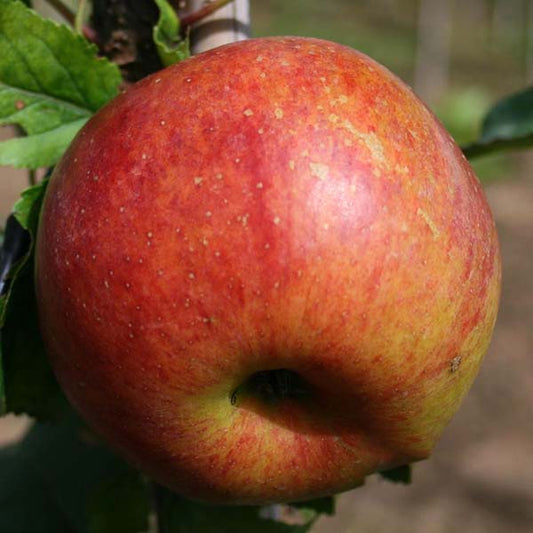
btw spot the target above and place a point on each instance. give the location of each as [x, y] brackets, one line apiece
[63, 10]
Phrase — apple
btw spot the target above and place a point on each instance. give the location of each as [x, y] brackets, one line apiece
[267, 272]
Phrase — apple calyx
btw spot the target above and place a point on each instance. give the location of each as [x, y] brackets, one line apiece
[271, 387]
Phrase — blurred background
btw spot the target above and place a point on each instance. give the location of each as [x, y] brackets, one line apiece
[460, 57]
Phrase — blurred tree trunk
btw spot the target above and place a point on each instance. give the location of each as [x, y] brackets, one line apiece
[433, 49]
[529, 42]
[503, 14]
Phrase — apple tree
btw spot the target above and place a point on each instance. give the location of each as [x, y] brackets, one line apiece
[53, 78]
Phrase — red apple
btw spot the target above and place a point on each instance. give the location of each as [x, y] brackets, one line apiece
[267, 272]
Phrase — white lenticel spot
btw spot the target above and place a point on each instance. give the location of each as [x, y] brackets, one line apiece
[248, 113]
[277, 220]
[319, 170]
[278, 113]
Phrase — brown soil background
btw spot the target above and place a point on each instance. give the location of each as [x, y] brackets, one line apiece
[480, 478]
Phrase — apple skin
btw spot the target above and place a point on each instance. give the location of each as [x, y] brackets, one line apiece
[278, 203]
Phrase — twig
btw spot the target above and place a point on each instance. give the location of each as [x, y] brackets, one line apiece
[63, 10]
[32, 177]
[80, 16]
[196, 16]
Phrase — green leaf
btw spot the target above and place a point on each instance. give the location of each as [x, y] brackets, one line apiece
[25, 504]
[178, 515]
[28, 207]
[508, 125]
[41, 150]
[320, 505]
[26, 210]
[400, 474]
[171, 47]
[3, 406]
[29, 385]
[61, 479]
[51, 81]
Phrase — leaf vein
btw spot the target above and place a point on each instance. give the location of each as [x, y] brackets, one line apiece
[73, 80]
[24, 61]
[4, 87]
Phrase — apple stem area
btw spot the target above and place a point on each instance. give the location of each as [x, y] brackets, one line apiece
[270, 387]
